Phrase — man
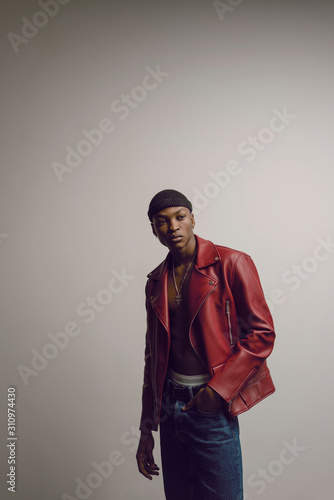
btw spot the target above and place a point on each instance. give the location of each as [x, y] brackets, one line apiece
[209, 332]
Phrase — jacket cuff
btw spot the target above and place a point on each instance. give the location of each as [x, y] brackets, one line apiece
[229, 378]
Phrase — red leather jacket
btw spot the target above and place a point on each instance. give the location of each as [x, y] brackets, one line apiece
[231, 329]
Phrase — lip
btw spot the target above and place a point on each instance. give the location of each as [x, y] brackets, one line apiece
[176, 238]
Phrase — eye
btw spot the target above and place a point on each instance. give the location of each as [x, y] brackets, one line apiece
[180, 217]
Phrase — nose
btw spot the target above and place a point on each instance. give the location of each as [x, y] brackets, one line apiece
[174, 225]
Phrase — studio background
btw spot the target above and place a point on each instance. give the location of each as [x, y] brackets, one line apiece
[104, 104]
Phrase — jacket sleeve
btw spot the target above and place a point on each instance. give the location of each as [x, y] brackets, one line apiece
[146, 420]
[255, 331]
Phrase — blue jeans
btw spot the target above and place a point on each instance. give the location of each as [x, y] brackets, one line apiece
[200, 453]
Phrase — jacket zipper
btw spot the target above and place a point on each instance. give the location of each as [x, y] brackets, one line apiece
[230, 404]
[228, 312]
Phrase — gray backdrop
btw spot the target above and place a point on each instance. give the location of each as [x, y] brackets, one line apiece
[104, 104]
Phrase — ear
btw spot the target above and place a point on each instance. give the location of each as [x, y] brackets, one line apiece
[192, 221]
[153, 229]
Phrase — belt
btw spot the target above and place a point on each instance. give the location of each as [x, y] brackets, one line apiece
[182, 392]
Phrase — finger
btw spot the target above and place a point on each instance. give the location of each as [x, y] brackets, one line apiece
[146, 470]
[189, 405]
[147, 466]
[152, 469]
[150, 463]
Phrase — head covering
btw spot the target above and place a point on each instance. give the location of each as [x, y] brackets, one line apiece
[167, 198]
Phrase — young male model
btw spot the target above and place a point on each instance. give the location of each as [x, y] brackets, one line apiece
[209, 332]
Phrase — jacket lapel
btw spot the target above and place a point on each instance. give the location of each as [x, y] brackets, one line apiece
[201, 283]
[158, 293]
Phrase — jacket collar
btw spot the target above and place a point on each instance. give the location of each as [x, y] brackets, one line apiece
[207, 254]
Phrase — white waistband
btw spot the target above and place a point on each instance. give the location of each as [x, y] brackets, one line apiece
[188, 380]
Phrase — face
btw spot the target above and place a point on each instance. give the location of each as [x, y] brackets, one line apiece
[174, 227]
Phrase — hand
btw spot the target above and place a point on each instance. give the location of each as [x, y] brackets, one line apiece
[206, 400]
[145, 460]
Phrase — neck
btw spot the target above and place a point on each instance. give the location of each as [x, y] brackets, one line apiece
[185, 255]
